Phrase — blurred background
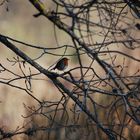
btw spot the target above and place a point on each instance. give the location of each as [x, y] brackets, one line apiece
[17, 21]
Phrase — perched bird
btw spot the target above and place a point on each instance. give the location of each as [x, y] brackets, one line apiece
[62, 64]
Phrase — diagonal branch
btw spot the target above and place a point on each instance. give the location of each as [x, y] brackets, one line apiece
[53, 76]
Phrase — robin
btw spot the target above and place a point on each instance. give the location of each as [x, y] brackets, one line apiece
[62, 64]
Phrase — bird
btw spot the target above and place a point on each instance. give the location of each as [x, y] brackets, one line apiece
[61, 65]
